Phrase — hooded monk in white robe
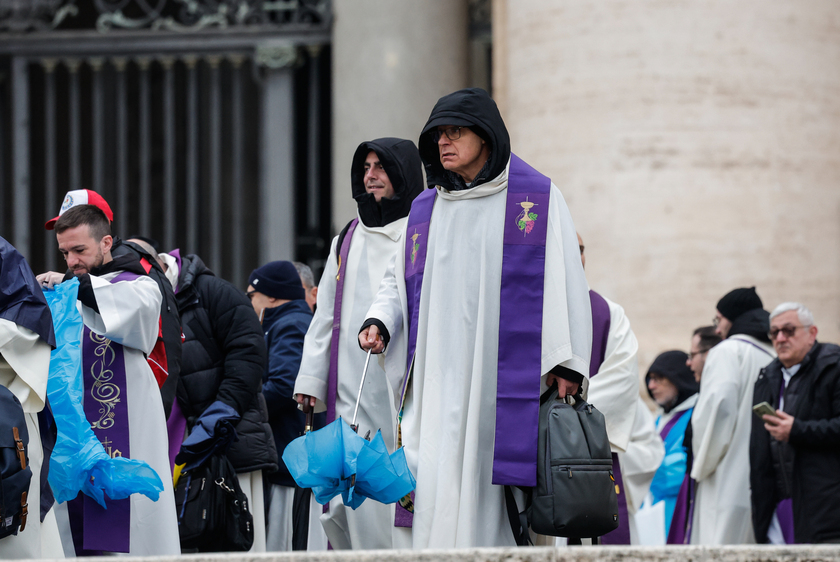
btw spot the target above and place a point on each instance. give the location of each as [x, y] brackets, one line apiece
[450, 400]
[386, 176]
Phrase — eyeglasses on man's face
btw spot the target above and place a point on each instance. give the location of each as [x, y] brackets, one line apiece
[693, 354]
[788, 331]
[452, 133]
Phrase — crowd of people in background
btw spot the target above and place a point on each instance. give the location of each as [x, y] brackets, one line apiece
[473, 297]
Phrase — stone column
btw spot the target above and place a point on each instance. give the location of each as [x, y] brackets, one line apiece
[391, 62]
[696, 143]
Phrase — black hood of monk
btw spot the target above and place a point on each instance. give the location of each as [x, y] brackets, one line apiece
[672, 365]
[401, 161]
[755, 323]
[473, 108]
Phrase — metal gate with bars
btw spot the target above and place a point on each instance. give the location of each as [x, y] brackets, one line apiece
[205, 124]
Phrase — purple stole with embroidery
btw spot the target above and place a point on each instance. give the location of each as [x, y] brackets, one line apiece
[520, 318]
[106, 408]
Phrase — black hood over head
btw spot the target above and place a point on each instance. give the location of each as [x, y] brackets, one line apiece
[755, 323]
[401, 161]
[473, 108]
[672, 365]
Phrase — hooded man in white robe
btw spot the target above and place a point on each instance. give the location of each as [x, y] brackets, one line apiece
[120, 306]
[722, 421]
[449, 410]
[385, 176]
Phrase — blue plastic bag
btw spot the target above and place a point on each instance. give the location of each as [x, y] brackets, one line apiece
[79, 461]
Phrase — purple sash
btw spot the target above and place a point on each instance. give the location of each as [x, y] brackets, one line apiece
[680, 531]
[784, 512]
[520, 326]
[106, 408]
[600, 331]
[332, 381]
[671, 423]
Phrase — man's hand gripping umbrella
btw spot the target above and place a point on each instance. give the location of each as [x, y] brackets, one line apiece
[336, 460]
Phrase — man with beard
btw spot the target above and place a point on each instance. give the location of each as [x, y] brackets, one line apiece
[722, 420]
[120, 308]
[794, 454]
[488, 294]
[385, 177]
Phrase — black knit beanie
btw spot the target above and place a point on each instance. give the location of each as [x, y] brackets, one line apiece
[672, 365]
[278, 280]
[737, 302]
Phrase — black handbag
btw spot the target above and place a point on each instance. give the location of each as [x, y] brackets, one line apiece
[213, 511]
[575, 494]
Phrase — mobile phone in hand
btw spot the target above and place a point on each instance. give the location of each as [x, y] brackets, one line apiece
[764, 409]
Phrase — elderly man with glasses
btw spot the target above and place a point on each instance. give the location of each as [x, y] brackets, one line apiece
[722, 420]
[795, 453]
[489, 294]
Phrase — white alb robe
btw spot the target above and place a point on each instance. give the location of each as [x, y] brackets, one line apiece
[371, 251]
[721, 422]
[449, 416]
[24, 366]
[128, 314]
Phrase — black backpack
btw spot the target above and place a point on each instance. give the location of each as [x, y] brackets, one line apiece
[15, 474]
[575, 494]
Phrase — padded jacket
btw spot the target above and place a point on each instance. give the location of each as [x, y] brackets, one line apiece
[223, 358]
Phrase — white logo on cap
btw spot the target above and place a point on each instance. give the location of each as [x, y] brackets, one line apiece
[68, 202]
[256, 281]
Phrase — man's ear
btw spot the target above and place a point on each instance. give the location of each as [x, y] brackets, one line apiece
[315, 293]
[107, 243]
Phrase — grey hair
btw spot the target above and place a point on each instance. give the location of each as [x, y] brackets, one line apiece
[802, 311]
[305, 273]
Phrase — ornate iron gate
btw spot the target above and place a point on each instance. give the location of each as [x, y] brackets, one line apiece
[205, 124]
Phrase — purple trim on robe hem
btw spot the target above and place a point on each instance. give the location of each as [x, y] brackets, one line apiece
[680, 531]
[601, 321]
[670, 425]
[332, 379]
[621, 535]
[784, 512]
[176, 428]
[520, 326]
[106, 407]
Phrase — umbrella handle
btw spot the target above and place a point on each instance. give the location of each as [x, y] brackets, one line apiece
[310, 415]
[359, 397]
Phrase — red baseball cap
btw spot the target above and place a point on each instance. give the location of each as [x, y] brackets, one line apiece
[81, 197]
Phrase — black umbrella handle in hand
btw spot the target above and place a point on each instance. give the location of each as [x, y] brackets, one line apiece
[310, 416]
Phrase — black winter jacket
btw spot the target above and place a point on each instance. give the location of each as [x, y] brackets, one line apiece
[285, 327]
[813, 452]
[223, 359]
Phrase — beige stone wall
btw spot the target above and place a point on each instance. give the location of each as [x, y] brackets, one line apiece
[392, 60]
[697, 143]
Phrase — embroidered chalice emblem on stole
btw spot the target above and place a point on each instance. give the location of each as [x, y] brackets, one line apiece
[526, 219]
[415, 247]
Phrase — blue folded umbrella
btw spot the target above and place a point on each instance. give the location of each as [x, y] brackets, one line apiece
[335, 460]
